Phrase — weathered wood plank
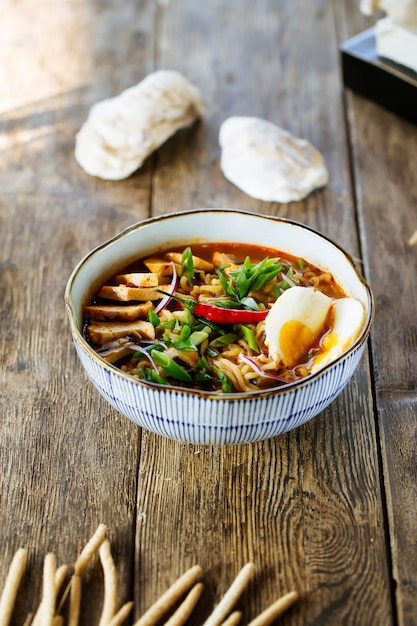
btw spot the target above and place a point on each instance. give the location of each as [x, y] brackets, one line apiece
[68, 460]
[383, 150]
[386, 208]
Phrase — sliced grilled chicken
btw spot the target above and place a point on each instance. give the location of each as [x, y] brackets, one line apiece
[114, 312]
[102, 333]
[125, 293]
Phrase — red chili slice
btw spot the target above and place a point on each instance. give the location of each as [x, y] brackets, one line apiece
[222, 315]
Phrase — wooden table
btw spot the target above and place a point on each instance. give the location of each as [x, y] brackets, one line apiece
[328, 509]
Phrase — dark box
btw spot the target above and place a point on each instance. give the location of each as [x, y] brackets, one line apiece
[387, 83]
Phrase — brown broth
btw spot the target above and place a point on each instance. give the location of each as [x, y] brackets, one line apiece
[240, 251]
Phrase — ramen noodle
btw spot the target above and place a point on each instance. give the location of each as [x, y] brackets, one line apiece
[195, 317]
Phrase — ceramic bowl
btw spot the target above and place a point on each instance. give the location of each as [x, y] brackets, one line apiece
[201, 417]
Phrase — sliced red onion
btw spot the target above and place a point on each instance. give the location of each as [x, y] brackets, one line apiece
[151, 342]
[288, 279]
[253, 364]
[145, 353]
[172, 287]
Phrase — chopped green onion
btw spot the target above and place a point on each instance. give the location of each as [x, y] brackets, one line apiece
[277, 292]
[203, 364]
[224, 304]
[153, 318]
[291, 276]
[250, 303]
[169, 325]
[188, 318]
[223, 340]
[212, 325]
[226, 283]
[198, 336]
[227, 386]
[250, 338]
[184, 344]
[253, 277]
[187, 264]
[203, 378]
[185, 332]
[154, 346]
[152, 377]
[170, 366]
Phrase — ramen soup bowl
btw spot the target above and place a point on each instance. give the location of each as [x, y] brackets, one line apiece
[204, 417]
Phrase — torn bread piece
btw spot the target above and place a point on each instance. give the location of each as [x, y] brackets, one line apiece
[267, 162]
[121, 132]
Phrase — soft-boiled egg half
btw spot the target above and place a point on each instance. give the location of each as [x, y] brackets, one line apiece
[296, 321]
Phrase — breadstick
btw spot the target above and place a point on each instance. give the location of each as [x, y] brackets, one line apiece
[60, 576]
[231, 596]
[413, 239]
[75, 601]
[233, 619]
[185, 609]
[85, 557]
[275, 610]
[170, 597]
[90, 549]
[58, 621]
[11, 586]
[48, 594]
[121, 615]
[110, 583]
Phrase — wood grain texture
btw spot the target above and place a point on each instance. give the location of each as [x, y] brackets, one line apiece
[387, 209]
[384, 165]
[62, 473]
[327, 509]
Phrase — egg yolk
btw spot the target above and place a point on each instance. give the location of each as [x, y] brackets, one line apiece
[295, 339]
[329, 341]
